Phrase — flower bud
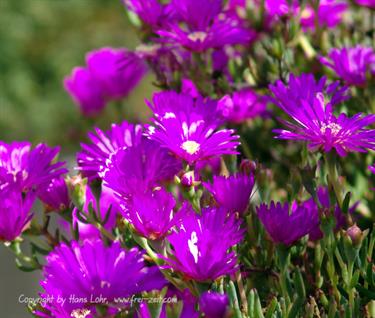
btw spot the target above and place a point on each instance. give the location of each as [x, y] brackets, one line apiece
[355, 234]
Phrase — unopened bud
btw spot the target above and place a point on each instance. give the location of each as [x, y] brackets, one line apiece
[355, 234]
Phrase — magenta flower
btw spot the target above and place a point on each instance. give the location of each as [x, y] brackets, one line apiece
[92, 159]
[15, 211]
[152, 213]
[85, 91]
[196, 253]
[372, 168]
[30, 168]
[242, 105]
[233, 192]
[90, 270]
[110, 75]
[54, 195]
[330, 13]
[186, 130]
[151, 12]
[205, 28]
[316, 124]
[117, 71]
[287, 224]
[213, 305]
[351, 64]
[366, 3]
[140, 168]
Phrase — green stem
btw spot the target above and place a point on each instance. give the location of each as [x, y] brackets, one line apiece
[333, 177]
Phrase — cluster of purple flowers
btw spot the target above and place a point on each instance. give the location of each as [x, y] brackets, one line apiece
[173, 185]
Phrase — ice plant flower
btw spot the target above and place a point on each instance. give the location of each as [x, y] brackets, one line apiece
[204, 28]
[213, 305]
[54, 194]
[351, 64]
[15, 211]
[366, 3]
[110, 75]
[287, 224]
[340, 220]
[29, 167]
[117, 71]
[196, 253]
[242, 105]
[152, 214]
[92, 159]
[91, 270]
[139, 168]
[85, 91]
[315, 122]
[305, 88]
[233, 192]
[151, 12]
[188, 132]
[330, 14]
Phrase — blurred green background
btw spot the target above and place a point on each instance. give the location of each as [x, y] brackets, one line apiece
[40, 42]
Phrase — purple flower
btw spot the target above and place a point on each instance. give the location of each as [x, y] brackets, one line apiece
[316, 124]
[287, 224]
[213, 305]
[366, 3]
[90, 269]
[305, 88]
[30, 168]
[330, 14]
[140, 168]
[196, 252]
[276, 7]
[233, 192]
[117, 71]
[15, 211]
[85, 91]
[187, 131]
[152, 213]
[323, 196]
[110, 75]
[206, 27]
[92, 159]
[151, 12]
[54, 195]
[242, 105]
[351, 64]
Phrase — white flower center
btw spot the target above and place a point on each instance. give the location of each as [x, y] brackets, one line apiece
[197, 36]
[190, 146]
[80, 313]
[307, 13]
[335, 128]
[193, 247]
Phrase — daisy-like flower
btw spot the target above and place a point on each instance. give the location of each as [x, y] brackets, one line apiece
[15, 211]
[139, 169]
[287, 224]
[188, 132]
[330, 13]
[110, 75]
[233, 192]
[29, 167]
[242, 105]
[196, 252]
[151, 12]
[213, 305]
[92, 159]
[351, 64]
[316, 124]
[91, 270]
[54, 195]
[152, 213]
[205, 28]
